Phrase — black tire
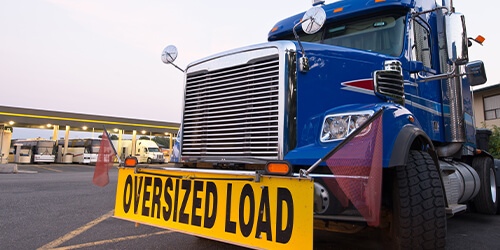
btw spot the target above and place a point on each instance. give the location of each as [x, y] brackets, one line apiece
[498, 197]
[418, 213]
[486, 201]
[150, 161]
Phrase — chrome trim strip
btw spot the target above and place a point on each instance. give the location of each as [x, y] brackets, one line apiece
[239, 79]
[332, 176]
[226, 120]
[256, 137]
[226, 98]
[237, 101]
[227, 159]
[422, 107]
[223, 125]
[225, 116]
[340, 217]
[205, 171]
[234, 110]
[235, 87]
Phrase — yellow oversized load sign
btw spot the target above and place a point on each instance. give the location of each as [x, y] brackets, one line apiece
[275, 213]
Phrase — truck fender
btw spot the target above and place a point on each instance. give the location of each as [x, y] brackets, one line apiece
[410, 136]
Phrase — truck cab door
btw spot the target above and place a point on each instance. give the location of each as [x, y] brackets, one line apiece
[424, 99]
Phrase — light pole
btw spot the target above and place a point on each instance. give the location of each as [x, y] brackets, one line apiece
[1, 145]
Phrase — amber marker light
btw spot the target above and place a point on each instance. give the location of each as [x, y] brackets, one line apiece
[411, 119]
[116, 130]
[130, 162]
[338, 10]
[49, 125]
[278, 168]
[143, 132]
[84, 127]
[11, 123]
[480, 39]
[274, 29]
[378, 1]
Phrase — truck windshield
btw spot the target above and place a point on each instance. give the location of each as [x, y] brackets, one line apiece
[153, 149]
[382, 34]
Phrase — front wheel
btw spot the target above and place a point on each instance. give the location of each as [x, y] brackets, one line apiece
[150, 161]
[486, 200]
[418, 209]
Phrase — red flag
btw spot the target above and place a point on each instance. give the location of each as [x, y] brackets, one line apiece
[358, 170]
[105, 161]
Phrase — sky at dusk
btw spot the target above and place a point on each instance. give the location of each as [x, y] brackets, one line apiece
[103, 56]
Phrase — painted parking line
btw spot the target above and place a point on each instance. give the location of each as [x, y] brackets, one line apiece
[76, 232]
[46, 168]
[96, 243]
[85, 166]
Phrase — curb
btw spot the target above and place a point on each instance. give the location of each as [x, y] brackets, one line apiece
[26, 172]
[8, 168]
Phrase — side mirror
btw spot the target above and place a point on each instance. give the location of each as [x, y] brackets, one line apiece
[312, 22]
[416, 66]
[169, 54]
[456, 38]
[476, 73]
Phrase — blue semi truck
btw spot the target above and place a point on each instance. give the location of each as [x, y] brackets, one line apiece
[261, 121]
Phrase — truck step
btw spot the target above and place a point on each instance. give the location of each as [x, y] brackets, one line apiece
[455, 208]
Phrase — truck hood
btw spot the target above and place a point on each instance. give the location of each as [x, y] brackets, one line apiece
[338, 78]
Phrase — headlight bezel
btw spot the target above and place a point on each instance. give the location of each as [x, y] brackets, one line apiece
[351, 118]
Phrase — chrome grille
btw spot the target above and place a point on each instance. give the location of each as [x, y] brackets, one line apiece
[390, 84]
[233, 111]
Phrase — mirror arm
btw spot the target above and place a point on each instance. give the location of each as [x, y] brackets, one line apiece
[415, 14]
[450, 74]
[303, 61]
[473, 39]
[183, 71]
[297, 36]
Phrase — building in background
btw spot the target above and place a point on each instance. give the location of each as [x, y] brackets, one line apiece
[487, 106]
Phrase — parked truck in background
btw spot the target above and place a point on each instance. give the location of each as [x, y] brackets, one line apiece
[146, 151]
[251, 112]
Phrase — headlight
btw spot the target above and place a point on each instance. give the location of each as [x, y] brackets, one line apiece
[339, 126]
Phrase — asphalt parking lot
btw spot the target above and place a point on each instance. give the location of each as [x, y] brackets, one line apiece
[58, 207]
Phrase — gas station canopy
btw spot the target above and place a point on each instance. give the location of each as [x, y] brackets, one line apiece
[45, 119]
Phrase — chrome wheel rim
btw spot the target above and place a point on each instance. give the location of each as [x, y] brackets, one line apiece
[493, 186]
